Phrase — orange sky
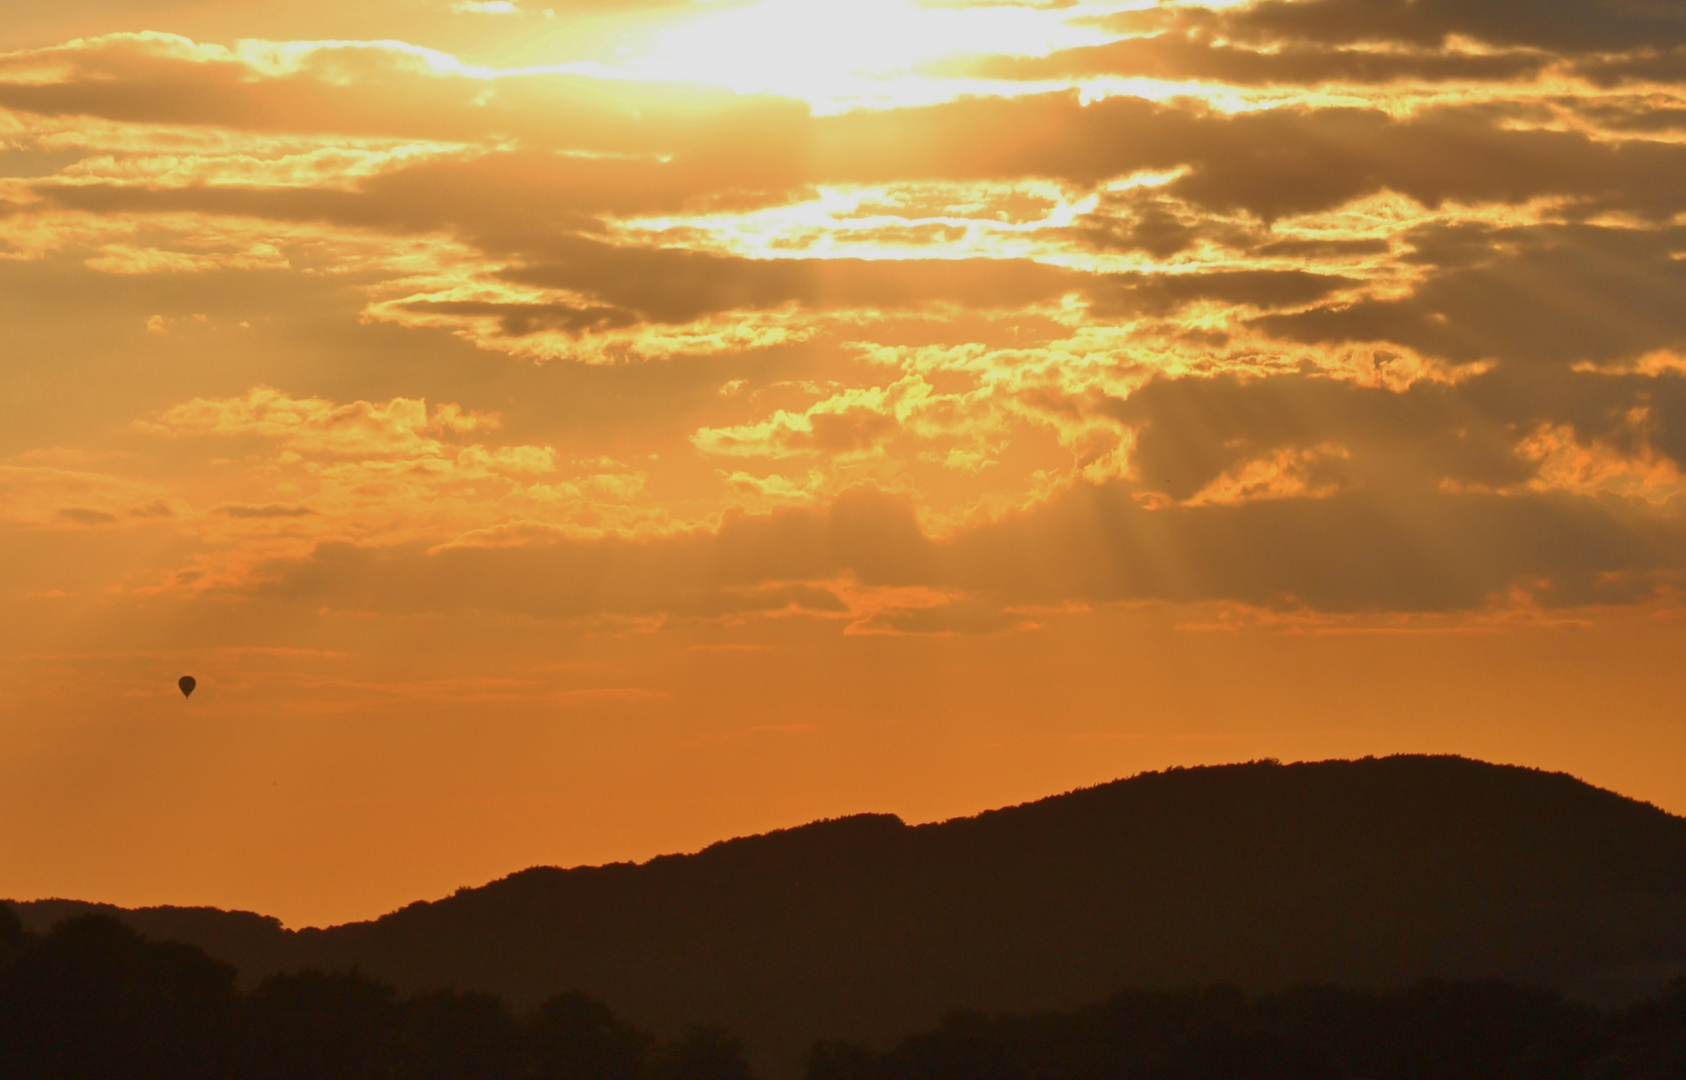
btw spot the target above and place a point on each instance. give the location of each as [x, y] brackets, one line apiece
[557, 434]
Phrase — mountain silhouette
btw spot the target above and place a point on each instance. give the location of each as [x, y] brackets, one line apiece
[1361, 873]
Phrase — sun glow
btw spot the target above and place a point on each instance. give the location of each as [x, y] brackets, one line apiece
[841, 55]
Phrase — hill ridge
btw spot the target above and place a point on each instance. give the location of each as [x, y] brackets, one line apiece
[1365, 872]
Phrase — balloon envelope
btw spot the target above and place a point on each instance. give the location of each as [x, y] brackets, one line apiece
[187, 684]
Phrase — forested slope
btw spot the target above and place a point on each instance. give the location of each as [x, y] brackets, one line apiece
[1361, 873]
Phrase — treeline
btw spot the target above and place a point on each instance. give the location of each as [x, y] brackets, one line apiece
[92, 1000]
[1433, 1030]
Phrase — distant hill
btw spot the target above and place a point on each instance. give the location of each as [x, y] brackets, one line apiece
[1364, 873]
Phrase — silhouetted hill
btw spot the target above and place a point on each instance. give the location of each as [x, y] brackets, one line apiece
[257, 945]
[1373, 872]
[1431, 1030]
[93, 1000]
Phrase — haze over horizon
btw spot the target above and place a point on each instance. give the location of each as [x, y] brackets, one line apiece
[555, 432]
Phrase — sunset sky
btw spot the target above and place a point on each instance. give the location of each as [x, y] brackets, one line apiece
[564, 431]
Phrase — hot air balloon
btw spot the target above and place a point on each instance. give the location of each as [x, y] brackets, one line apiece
[187, 683]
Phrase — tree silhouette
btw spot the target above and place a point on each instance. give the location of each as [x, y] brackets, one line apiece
[330, 1026]
[451, 1035]
[703, 1053]
[93, 1000]
[572, 1037]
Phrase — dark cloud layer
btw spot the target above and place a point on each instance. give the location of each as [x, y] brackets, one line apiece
[1429, 552]
[666, 285]
[1561, 27]
[1558, 293]
[1437, 552]
[1553, 294]
[1426, 506]
[1177, 57]
[1309, 42]
[1565, 26]
[1189, 431]
[374, 90]
[1269, 163]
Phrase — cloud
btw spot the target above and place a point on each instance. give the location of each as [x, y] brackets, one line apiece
[667, 285]
[82, 515]
[1543, 294]
[270, 510]
[1192, 432]
[1564, 26]
[1269, 163]
[1161, 294]
[751, 564]
[1371, 295]
[46, 497]
[375, 88]
[630, 154]
[1174, 56]
[389, 472]
[1432, 552]
[124, 259]
[1286, 492]
[522, 319]
[400, 428]
[1341, 554]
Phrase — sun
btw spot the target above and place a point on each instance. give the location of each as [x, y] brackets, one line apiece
[840, 53]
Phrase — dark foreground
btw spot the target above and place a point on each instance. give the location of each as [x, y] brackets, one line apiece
[93, 1000]
[1374, 873]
